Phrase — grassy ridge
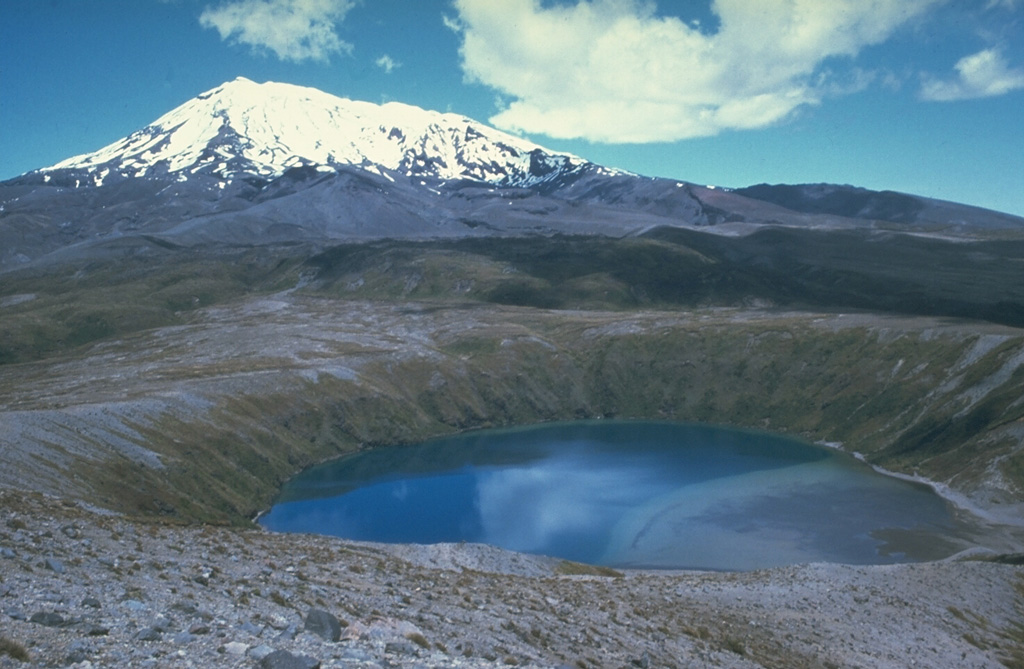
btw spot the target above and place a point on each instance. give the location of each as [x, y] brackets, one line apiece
[57, 310]
[685, 268]
[668, 268]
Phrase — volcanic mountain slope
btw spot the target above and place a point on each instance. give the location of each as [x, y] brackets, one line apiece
[883, 207]
[255, 164]
[247, 131]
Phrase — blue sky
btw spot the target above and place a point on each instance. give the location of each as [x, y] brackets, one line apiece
[920, 96]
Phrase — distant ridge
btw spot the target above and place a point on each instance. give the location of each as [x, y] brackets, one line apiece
[889, 206]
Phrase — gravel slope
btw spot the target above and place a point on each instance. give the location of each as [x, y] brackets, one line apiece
[91, 590]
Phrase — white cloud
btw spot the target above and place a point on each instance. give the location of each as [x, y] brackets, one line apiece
[294, 30]
[387, 63]
[980, 75]
[615, 71]
[451, 23]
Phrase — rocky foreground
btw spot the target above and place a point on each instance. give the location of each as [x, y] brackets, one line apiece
[85, 589]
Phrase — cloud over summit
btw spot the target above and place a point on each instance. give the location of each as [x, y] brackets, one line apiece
[294, 30]
[617, 71]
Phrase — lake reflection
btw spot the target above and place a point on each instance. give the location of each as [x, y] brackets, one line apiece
[627, 494]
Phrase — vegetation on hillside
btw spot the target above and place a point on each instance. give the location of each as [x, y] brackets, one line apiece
[674, 325]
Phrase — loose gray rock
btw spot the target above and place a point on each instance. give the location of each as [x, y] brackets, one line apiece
[289, 633]
[78, 651]
[236, 648]
[148, 634]
[16, 614]
[357, 655]
[71, 532]
[91, 602]
[323, 624]
[93, 629]
[400, 648]
[259, 652]
[185, 607]
[78, 644]
[250, 628]
[47, 619]
[76, 656]
[282, 659]
[53, 564]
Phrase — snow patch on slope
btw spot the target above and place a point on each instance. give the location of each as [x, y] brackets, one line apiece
[245, 129]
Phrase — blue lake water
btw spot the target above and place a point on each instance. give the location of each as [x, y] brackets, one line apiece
[626, 494]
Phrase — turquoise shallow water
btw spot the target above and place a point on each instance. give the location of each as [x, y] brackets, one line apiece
[625, 494]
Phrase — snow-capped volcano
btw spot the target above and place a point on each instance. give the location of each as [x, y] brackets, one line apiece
[242, 129]
[246, 165]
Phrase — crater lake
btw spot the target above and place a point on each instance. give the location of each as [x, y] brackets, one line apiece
[626, 494]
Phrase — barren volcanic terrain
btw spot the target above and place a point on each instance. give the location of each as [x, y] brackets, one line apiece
[194, 314]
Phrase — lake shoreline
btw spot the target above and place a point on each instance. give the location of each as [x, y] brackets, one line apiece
[597, 470]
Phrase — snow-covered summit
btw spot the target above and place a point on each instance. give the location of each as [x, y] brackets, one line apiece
[243, 129]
